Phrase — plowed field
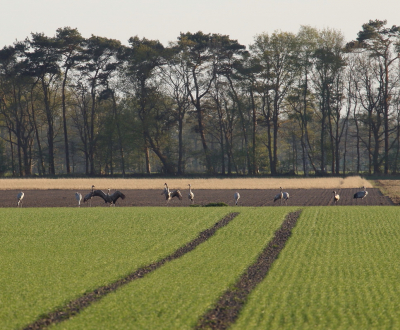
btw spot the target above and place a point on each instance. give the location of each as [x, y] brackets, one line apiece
[153, 197]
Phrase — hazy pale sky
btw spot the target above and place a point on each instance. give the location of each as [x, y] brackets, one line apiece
[165, 19]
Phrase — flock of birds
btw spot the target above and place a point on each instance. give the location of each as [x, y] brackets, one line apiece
[284, 196]
[112, 199]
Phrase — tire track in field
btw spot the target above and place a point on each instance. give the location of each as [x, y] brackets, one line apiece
[76, 306]
[227, 308]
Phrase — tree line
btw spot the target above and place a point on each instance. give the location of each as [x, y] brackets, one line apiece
[294, 103]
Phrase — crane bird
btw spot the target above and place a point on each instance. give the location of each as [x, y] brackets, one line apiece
[112, 199]
[361, 194]
[282, 196]
[236, 197]
[336, 197]
[78, 197]
[170, 194]
[20, 197]
[89, 197]
[191, 195]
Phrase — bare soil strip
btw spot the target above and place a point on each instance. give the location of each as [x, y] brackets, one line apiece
[227, 308]
[153, 197]
[75, 306]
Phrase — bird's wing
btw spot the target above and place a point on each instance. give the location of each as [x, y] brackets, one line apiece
[117, 195]
[176, 193]
[87, 197]
[359, 194]
[277, 197]
[101, 194]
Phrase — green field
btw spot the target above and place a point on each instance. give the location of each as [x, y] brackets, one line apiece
[50, 256]
[338, 270]
[175, 296]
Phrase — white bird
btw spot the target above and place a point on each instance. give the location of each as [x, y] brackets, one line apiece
[78, 197]
[336, 197]
[171, 194]
[282, 196]
[191, 195]
[89, 197]
[20, 197]
[236, 197]
[361, 194]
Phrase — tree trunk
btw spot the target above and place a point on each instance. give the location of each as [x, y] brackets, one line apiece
[64, 116]
[255, 164]
[121, 149]
[180, 141]
[50, 129]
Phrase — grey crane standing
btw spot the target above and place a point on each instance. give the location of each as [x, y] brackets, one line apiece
[336, 197]
[78, 197]
[20, 197]
[89, 197]
[236, 198]
[282, 196]
[191, 195]
[361, 194]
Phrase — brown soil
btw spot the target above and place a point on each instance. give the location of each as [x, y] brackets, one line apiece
[390, 188]
[153, 197]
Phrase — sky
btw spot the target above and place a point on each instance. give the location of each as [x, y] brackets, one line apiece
[164, 20]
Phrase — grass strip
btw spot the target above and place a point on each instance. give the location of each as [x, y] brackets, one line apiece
[339, 270]
[51, 256]
[76, 306]
[227, 308]
[177, 294]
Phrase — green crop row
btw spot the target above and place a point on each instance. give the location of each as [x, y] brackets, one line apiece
[51, 256]
[340, 270]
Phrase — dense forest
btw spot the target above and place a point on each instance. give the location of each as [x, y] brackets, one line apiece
[296, 104]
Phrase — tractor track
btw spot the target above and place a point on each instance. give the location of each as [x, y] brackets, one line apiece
[227, 308]
[74, 307]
